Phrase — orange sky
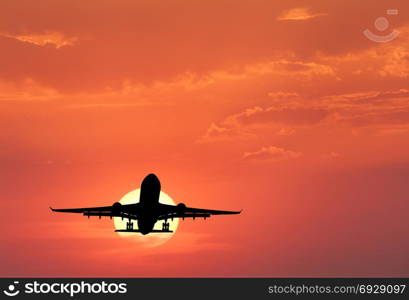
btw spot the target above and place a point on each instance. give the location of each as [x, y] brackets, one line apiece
[281, 108]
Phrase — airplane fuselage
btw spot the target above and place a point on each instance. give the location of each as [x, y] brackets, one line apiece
[148, 203]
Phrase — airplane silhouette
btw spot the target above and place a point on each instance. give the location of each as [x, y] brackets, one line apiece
[148, 211]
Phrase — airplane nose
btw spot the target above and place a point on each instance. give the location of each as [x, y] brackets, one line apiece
[152, 176]
[151, 179]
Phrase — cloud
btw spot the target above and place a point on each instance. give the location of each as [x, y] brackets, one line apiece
[26, 91]
[371, 97]
[393, 129]
[54, 38]
[290, 66]
[243, 124]
[297, 116]
[394, 56]
[121, 48]
[377, 119]
[373, 109]
[382, 111]
[280, 95]
[271, 153]
[298, 14]
[286, 131]
[331, 155]
[216, 133]
[396, 62]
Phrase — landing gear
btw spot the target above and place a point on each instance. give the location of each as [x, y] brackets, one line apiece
[165, 226]
[129, 225]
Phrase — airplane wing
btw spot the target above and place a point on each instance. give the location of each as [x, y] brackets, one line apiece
[128, 211]
[182, 211]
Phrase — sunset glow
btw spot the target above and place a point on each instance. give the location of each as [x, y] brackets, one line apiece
[150, 240]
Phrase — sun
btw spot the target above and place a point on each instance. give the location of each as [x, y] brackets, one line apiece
[151, 239]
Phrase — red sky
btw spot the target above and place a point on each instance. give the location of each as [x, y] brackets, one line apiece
[281, 108]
